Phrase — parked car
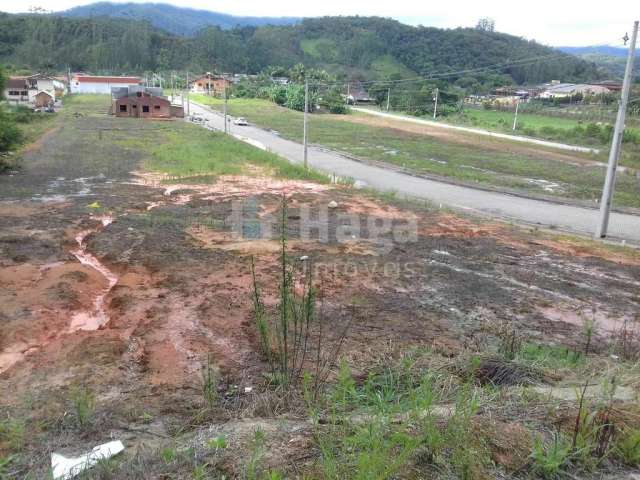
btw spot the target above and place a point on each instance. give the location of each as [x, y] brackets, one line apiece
[196, 119]
[241, 121]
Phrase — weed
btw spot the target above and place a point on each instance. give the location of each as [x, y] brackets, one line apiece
[84, 404]
[628, 447]
[589, 330]
[209, 384]
[217, 443]
[549, 460]
[168, 455]
[199, 472]
[509, 340]
[550, 356]
[256, 452]
[286, 341]
[12, 434]
[5, 463]
[467, 455]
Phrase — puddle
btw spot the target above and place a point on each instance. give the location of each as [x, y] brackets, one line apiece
[96, 317]
[546, 185]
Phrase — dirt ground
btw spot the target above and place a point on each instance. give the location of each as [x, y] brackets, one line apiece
[111, 279]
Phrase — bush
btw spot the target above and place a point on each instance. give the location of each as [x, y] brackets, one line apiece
[10, 135]
[22, 114]
[592, 131]
[295, 98]
[279, 94]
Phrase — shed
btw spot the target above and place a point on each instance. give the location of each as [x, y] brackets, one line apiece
[43, 99]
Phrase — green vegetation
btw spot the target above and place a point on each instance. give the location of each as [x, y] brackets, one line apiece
[84, 402]
[183, 150]
[19, 125]
[555, 128]
[536, 171]
[358, 47]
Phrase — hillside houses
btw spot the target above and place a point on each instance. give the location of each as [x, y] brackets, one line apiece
[210, 84]
[36, 90]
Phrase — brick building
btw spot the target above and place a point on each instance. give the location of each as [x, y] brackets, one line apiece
[143, 105]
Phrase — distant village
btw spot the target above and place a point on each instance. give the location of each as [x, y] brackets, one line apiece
[134, 96]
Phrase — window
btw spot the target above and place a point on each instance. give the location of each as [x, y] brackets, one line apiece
[138, 94]
[123, 108]
[145, 108]
[14, 92]
[24, 93]
[156, 107]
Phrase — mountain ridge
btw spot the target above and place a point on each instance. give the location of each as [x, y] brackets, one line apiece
[182, 21]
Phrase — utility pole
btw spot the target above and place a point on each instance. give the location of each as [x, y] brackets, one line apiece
[435, 103]
[187, 93]
[224, 80]
[515, 119]
[304, 123]
[616, 143]
[388, 97]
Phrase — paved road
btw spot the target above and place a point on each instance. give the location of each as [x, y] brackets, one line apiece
[522, 210]
[477, 131]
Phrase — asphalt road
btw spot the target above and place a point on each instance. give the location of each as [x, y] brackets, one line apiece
[504, 206]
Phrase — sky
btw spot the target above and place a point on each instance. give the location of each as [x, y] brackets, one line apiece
[551, 22]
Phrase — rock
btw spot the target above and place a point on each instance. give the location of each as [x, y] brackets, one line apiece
[333, 204]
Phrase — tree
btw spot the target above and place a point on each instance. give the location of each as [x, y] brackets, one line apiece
[3, 79]
[486, 24]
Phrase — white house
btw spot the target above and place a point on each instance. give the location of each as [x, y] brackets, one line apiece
[101, 84]
[25, 89]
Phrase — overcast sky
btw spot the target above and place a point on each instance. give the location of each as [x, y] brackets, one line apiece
[553, 22]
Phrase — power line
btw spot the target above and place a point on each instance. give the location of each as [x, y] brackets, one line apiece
[444, 74]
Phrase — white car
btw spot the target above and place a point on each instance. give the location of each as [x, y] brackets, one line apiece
[241, 121]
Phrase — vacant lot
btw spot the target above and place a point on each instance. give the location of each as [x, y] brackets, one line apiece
[438, 346]
[464, 157]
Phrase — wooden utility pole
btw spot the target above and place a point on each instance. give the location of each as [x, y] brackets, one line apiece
[224, 80]
[388, 97]
[616, 142]
[515, 118]
[187, 93]
[304, 123]
[435, 103]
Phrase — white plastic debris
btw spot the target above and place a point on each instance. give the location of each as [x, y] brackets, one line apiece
[65, 468]
[333, 204]
[248, 389]
[359, 184]
[304, 258]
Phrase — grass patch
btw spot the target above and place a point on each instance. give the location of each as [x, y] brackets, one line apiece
[553, 357]
[428, 155]
[187, 150]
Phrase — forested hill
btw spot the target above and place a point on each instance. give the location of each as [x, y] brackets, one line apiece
[175, 20]
[357, 47]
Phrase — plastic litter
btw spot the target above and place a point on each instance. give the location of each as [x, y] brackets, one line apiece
[333, 204]
[65, 468]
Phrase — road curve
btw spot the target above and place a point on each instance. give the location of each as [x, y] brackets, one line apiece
[501, 205]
